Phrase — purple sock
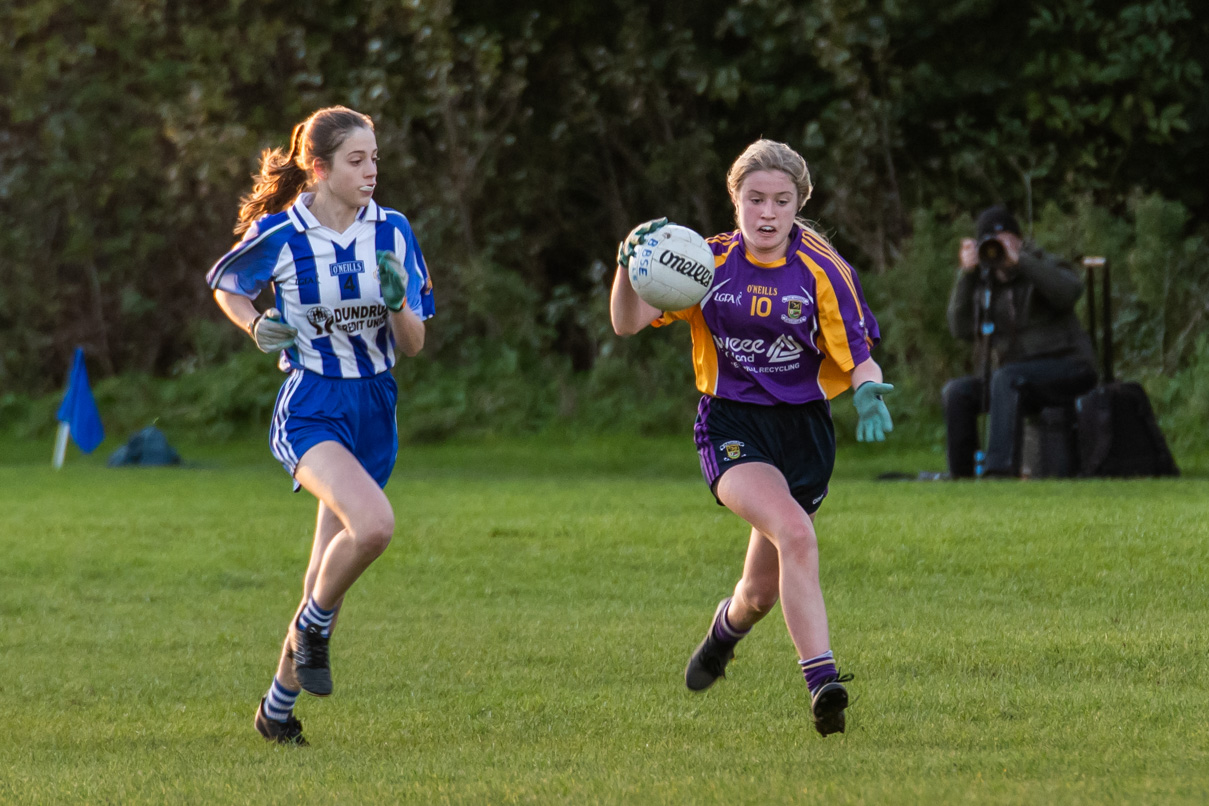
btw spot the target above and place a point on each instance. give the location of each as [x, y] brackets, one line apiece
[724, 631]
[818, 670]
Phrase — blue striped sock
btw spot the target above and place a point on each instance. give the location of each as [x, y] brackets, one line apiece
[818, 670]
[279, 702]
[314, 614]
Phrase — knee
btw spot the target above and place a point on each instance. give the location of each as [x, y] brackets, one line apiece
[373, 534]
[948, 394]
[798, 542]
[759, 596]
[1005, 380]
[956, 395]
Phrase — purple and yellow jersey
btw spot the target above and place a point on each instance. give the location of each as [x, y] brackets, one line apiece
[326, 284]
[784, 332]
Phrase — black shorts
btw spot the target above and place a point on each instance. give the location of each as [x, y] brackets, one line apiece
[797, 439]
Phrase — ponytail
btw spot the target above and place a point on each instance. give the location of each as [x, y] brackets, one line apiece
[281, 179]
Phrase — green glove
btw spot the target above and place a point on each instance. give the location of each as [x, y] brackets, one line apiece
[271, 334]
[625, 250]
[874, 421]
[393, 279]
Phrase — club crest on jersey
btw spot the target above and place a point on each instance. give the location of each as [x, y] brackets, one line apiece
[732, 449]
[321, 319]
[794, 308]
[347, 267]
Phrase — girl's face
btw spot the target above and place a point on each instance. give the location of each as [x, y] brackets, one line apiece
[766, 204]
[352, 173]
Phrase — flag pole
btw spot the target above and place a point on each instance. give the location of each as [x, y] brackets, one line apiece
[78, 416]
[60, 446]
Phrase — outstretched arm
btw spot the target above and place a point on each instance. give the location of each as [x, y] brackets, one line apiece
[629, 312]
[626, 309]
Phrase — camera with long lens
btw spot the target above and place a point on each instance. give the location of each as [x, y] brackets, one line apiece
[991, 254]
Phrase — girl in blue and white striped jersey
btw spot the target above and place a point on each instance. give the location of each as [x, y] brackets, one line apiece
[350, 287]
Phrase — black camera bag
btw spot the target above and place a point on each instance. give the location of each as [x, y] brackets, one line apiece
[1118, 434]
[1115, 423]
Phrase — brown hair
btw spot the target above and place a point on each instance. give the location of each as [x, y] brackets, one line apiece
[284, 175]
[769, 155]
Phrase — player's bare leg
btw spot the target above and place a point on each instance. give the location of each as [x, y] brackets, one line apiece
[758, 590]
[754, 596]
[327, 526]
[334, 476]
[282, 695]
[759, 494]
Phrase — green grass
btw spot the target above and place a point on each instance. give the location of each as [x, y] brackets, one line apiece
[523, 639]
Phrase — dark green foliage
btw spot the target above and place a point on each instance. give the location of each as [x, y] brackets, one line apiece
[523, 141]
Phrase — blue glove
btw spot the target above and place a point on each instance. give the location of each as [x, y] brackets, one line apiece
[874, 421]
[393, 279]
[625, 250]
[271, 334]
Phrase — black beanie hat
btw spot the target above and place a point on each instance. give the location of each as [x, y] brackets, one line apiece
[996, 219]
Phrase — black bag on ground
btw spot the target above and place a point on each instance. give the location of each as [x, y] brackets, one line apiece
[148, 448]
[1118, 434]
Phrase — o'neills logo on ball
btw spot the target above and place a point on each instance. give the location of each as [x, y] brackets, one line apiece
[682, 265]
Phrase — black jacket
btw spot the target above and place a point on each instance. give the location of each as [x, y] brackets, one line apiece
[1033, 312]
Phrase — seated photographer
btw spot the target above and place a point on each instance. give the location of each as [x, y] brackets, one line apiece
[1019, 301]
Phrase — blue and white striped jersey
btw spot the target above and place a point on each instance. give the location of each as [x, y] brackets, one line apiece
[326, 284]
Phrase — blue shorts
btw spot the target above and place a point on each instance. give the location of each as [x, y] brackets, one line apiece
[797, 439]
[358, 413]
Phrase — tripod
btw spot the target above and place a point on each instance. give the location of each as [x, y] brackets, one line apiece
[985, 329]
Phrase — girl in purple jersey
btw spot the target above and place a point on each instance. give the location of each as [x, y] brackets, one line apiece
[783, 328]
[336, 434]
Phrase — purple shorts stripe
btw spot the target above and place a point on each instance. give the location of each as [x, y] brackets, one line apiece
[705, 448]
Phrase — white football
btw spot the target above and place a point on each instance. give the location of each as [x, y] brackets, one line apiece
[672, 268]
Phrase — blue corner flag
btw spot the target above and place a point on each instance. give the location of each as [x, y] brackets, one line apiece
[79, 409]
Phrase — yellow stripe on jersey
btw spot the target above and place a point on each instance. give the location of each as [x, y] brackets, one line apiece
[729, 241]
[841, 265]
[833, 380]
[837, 360]
[705, 353]
[723, 237]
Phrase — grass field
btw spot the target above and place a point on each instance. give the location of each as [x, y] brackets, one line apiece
[523, 639]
